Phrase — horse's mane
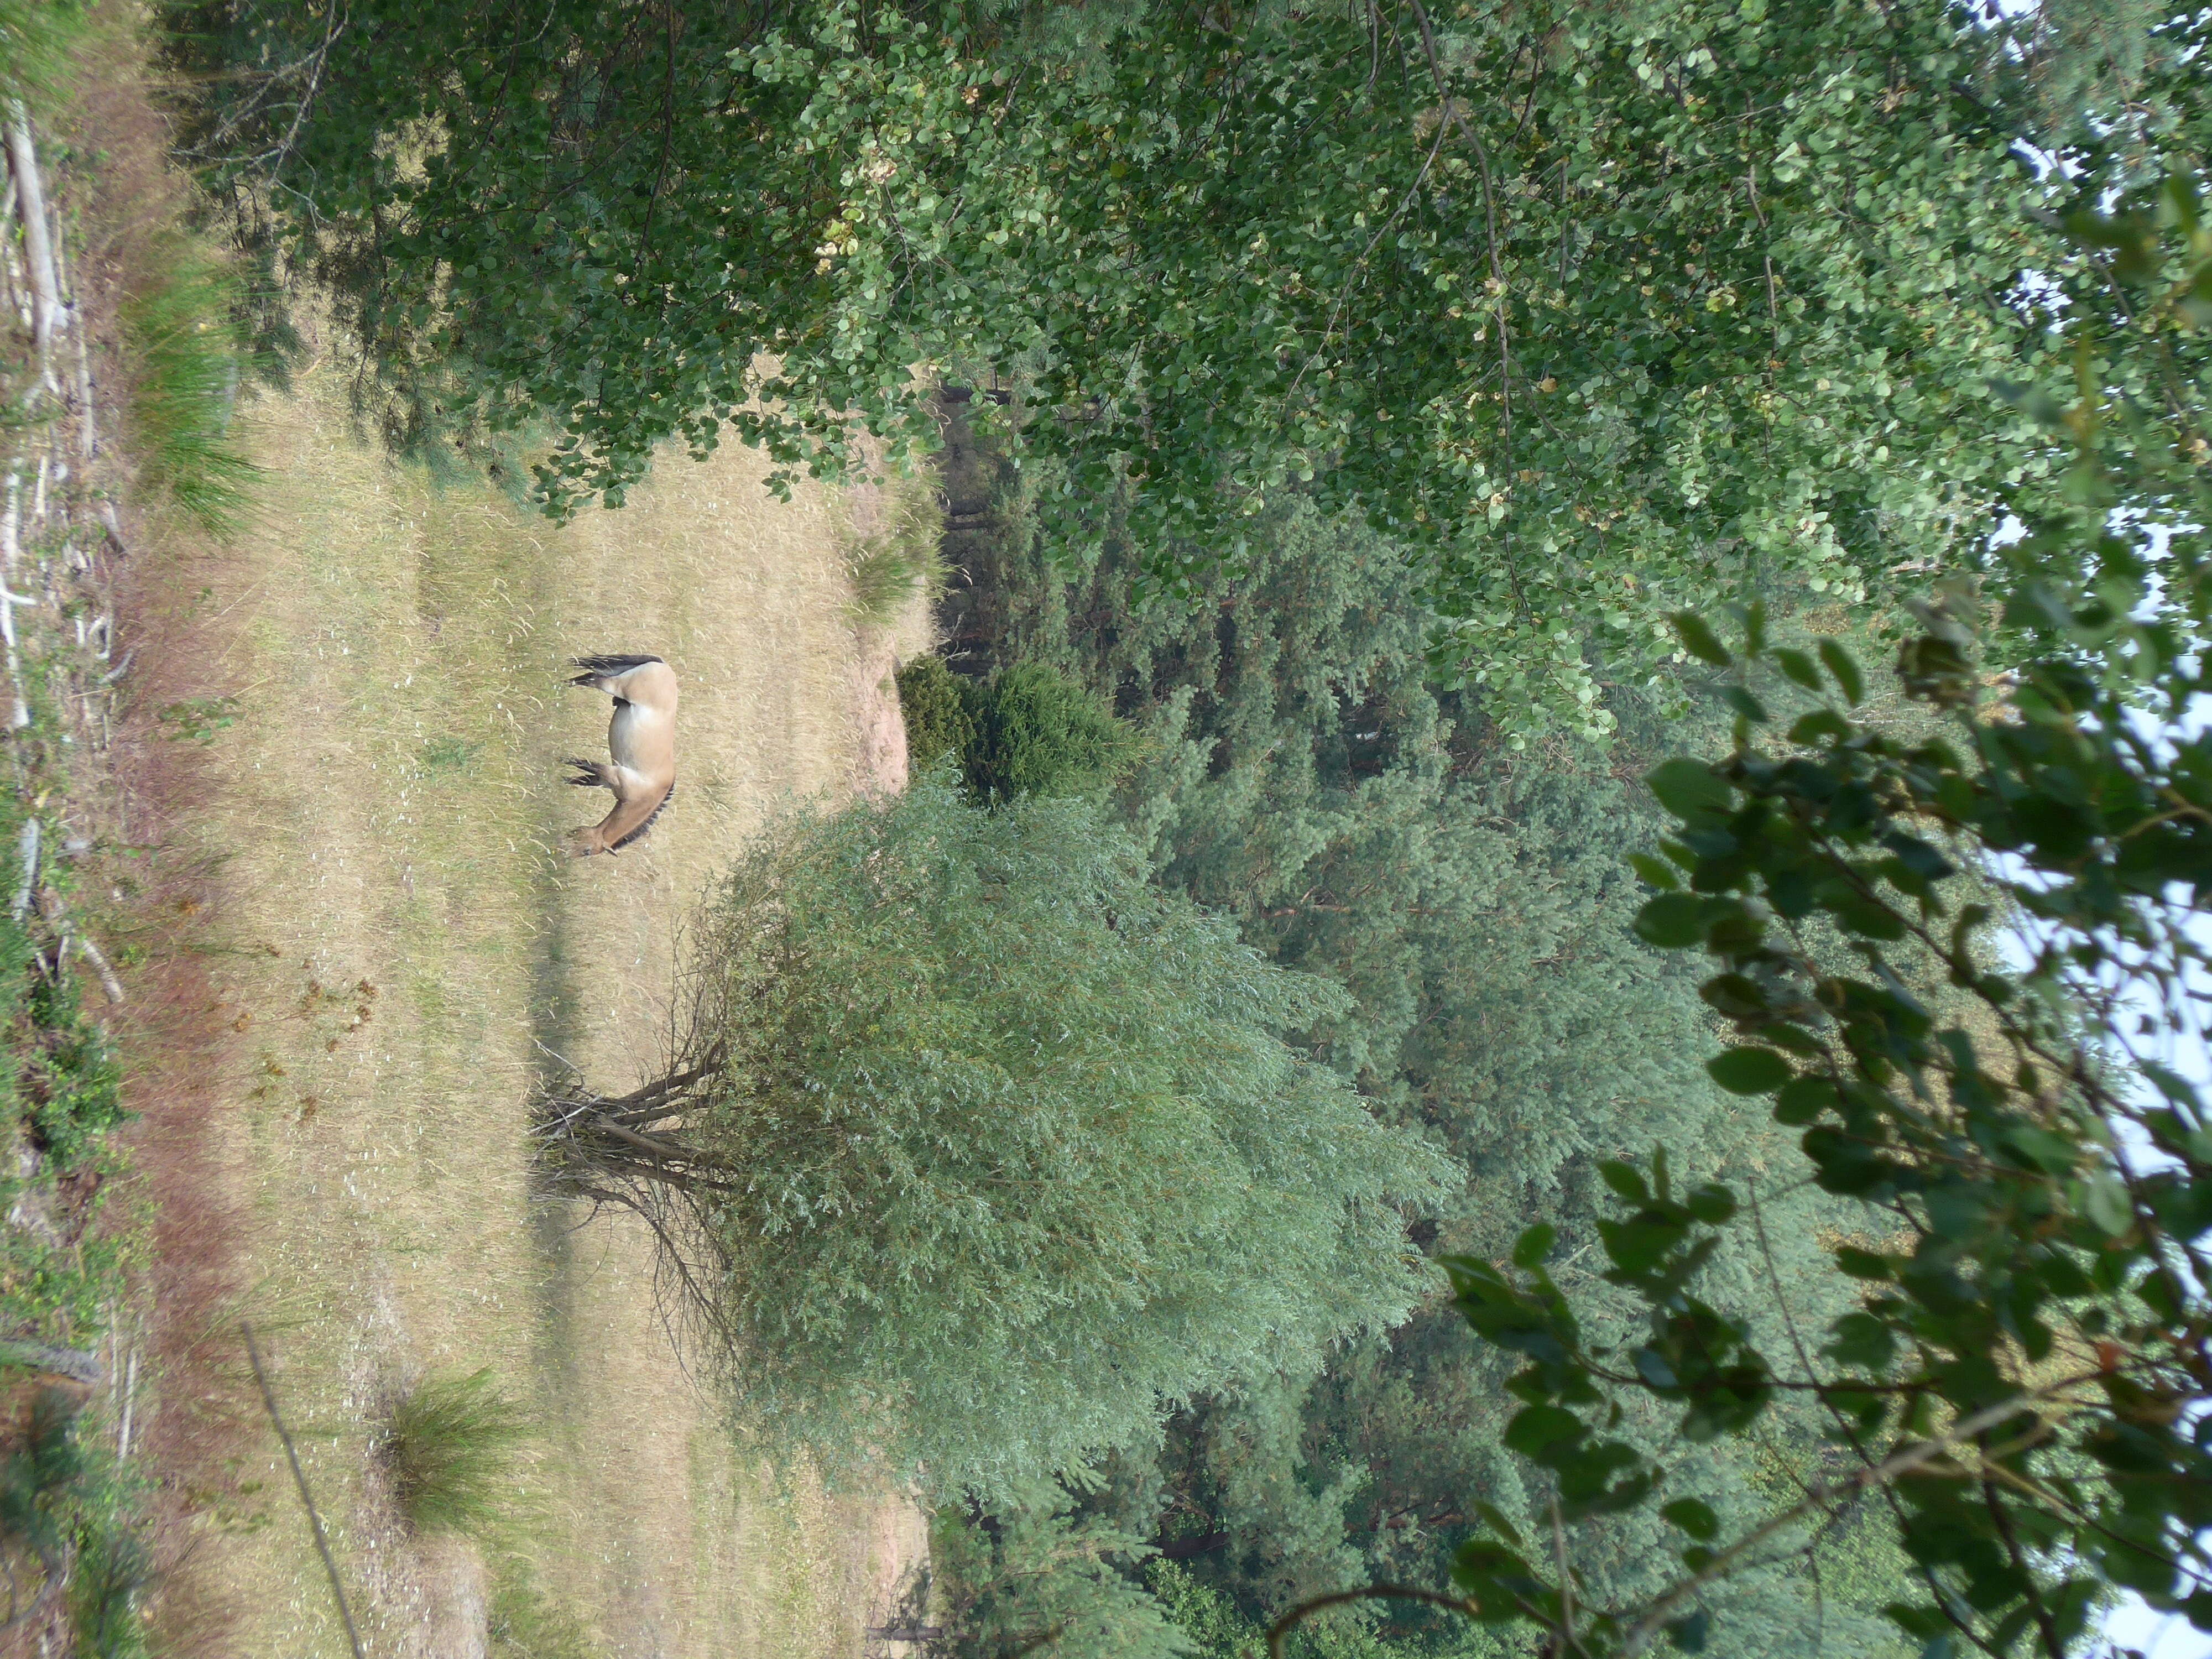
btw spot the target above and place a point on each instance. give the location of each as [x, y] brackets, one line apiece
[638, 833]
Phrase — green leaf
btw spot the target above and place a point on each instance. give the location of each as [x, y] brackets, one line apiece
[1689, 789]
[1848, 677]
[1533, 1245]
[1710, 1203]
[1658, 872]
[1750, 1071]
[2105, 1201]
[1672, 921]
[1626, 1180]
[1698, 638]
[1744, 703]
[1803, 1099]
[1694, 1516]
[1798, 667]
[1689, 1634]
[1536, 1428]
[1864, 1264]
[1861, 1342]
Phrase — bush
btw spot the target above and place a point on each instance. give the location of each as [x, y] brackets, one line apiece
[1028, 730]
[448, 1449]
[1038, 732]
[73, 1082]
[937, 723]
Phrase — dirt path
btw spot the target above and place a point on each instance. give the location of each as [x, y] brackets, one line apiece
[370, 680]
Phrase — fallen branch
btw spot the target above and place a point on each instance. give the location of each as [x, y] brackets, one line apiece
[8, 600]
[88, 430]
[52, 907]
[110, 986]
[78, 1364]
[29, 845]
[37, 245]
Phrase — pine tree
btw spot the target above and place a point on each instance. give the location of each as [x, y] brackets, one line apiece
[1303, 773]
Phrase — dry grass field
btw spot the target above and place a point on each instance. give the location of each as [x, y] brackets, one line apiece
[371, 705]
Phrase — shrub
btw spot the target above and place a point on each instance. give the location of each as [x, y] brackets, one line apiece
[937, 723]
[1038, 732]
[448, 1449]
[73, 1082]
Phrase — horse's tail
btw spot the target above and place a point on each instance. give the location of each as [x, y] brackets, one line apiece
[598, 668]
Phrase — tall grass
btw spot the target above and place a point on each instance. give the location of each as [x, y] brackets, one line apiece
[35, 37]
[185, 365]
[899, 558]
[113, 1568]
[449, 1450]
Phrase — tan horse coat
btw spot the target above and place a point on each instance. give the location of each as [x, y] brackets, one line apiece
[641, 741]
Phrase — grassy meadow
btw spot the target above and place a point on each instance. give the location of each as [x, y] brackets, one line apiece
[367, 686]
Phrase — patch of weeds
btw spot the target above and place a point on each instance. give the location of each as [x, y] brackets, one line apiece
[65, 1524]
[186, 362]
[449, 1448]
[72, 1086]
[35, 39]
[447, 754]
[899, 559]
[196, 719]
[525, 1623]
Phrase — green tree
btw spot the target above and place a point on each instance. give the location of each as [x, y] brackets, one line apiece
[2023, 1380]
[1602, 311]
[976, 1153]
[1303, 775]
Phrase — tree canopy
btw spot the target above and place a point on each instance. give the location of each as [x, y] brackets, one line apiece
[1969, 964]
[1601, 311]
[1300, 773]
[979, 1152]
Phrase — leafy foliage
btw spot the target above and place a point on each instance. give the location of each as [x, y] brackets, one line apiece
[1034, 1575]
[1037, 732]
[2024, 1378]
[935, 713]
[1300, 773]
[990, 1152]
[1028, 730]
[1603, 311]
